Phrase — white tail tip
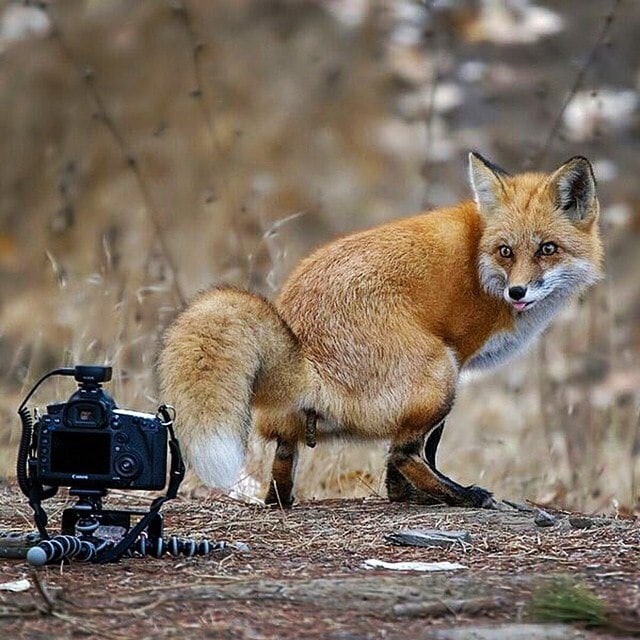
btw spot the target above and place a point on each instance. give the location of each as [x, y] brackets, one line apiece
[217, 459]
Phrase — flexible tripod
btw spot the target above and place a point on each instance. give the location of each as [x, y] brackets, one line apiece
[81, 524]
[87, 515]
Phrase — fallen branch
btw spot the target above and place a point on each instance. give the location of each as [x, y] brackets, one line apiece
[44, 594]
[450, 607]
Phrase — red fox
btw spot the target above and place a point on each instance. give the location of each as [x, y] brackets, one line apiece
[372, 331]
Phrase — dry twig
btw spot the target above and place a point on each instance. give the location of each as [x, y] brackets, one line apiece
[541, 156]
[102, 115]
[44, 594]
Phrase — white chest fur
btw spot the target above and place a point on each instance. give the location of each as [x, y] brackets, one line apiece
[507, 344]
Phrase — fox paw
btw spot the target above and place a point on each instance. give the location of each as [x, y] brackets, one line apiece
[476, 496]
[277, 500]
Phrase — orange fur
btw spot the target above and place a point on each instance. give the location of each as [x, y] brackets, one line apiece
[373, 330]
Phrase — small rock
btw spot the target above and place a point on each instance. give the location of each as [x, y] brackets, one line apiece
[428, 537]
[544, 519]
[581, 522]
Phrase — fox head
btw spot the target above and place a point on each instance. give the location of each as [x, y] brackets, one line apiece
[540, 238]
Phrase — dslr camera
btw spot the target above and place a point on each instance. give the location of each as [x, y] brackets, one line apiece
[89, 443]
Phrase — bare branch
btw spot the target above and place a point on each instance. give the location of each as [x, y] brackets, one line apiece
[88, 77]
[541, 156]
[200, 94]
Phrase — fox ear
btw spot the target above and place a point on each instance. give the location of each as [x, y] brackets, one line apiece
[574, 188]
[486, 182]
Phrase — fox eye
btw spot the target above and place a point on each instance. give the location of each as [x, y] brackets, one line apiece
[548, 248]
[505, 251]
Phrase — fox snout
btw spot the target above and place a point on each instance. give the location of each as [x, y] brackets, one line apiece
[515, 296]
[517, 293]
[521, 296]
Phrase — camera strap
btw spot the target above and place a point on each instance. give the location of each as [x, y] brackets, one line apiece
[39, 515]
[176, 475]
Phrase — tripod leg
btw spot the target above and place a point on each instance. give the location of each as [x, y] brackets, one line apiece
[69, 518]
[155, 527]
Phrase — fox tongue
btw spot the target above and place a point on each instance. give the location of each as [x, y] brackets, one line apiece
[519, 306]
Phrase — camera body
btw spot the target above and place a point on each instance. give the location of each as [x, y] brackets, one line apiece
[89, 443]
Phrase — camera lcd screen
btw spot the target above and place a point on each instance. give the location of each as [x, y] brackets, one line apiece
[81, 453]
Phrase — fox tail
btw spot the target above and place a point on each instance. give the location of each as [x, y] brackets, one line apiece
[227, 348]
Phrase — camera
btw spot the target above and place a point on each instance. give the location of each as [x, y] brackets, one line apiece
[89, 443]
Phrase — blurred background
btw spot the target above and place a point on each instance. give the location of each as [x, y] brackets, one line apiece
[153, 148]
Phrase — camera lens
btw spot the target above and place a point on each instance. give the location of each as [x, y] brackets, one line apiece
[127, 465]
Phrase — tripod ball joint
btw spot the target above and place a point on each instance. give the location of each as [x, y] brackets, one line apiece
[59, 548]
[174, 546]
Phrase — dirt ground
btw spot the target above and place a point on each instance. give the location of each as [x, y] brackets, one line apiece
[303, 575]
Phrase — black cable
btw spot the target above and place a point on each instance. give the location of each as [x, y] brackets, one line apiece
[31, 488]
[64, 371]
[23, 450]
[24, 482]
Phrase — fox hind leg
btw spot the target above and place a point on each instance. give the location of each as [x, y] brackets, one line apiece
[281, 484]
[287, 429]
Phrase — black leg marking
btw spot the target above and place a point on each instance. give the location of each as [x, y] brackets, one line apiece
[399, 489]
[431, 442]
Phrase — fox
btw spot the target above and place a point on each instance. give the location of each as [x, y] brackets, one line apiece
[371, 333]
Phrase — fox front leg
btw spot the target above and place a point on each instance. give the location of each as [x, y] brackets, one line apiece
[281, 484]
[416, 462]
[399, 489]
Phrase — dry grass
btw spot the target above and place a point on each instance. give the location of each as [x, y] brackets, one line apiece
[566, 601]
[171, 166]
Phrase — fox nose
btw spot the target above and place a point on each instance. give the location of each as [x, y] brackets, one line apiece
[516, 293]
